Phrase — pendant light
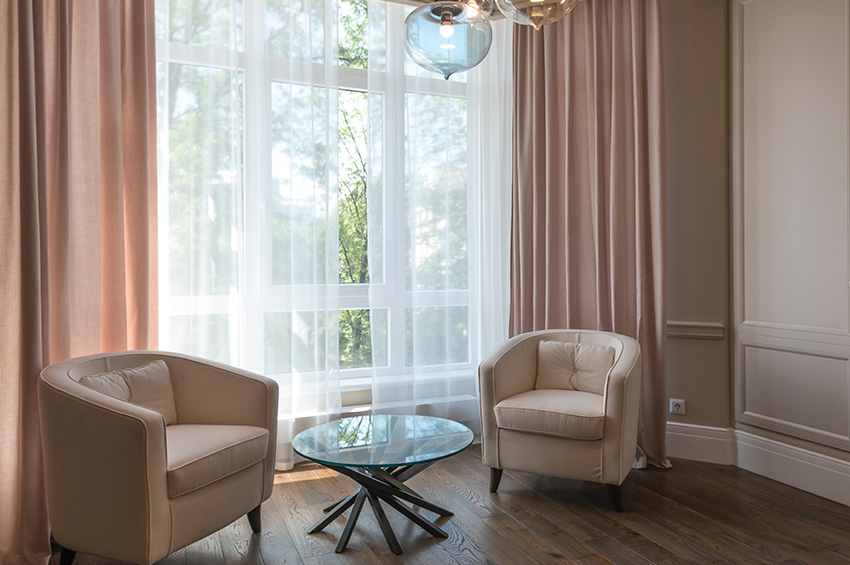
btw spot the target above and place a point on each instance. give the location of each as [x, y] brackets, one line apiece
[485, 6]
[448, 36]
[536, 13]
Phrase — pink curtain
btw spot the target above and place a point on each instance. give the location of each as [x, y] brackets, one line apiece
[78, 214]
[588, 227]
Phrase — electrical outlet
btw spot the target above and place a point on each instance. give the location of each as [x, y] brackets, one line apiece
[678, 406]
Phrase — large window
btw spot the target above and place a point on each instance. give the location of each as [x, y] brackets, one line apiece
[308, 167]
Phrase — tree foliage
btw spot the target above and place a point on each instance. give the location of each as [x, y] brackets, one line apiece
[353, 34]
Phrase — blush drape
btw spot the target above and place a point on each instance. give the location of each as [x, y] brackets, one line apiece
[78, 214]
[588, 222]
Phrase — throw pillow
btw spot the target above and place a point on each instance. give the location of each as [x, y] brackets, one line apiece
[110, 384]
[573, 366]
[148, 386]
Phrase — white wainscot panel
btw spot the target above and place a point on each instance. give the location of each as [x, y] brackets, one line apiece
[794, 163]
[800, 393]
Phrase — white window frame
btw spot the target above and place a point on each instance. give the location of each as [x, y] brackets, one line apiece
[257, 295]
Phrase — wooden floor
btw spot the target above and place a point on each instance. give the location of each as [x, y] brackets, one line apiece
[692, 513]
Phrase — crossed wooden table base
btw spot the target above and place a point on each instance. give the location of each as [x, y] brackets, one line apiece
[379, 484]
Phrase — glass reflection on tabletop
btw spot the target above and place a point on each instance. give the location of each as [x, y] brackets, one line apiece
[358, 431]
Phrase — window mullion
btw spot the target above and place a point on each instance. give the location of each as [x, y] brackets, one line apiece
[257, 229]
[394, 155]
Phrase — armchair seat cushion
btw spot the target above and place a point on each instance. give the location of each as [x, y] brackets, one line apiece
[198, 454]
[568, 414]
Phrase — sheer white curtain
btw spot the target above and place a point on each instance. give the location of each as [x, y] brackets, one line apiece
[331, 215]
[490, 169]
[248, 177]
[292, 256]
[449, 204]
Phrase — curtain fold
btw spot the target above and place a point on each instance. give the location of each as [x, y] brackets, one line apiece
[490, 169]
[588, 226]
[78, 216]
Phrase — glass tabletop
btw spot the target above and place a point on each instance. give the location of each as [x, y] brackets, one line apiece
[382, 440]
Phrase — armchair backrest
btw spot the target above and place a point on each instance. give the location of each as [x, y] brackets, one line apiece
[587, 337]
[518, 356]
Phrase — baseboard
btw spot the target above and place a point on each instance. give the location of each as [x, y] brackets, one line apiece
[701, 443]
[801, 468]
[809, 471]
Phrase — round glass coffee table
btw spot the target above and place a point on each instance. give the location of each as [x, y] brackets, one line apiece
[381, 452]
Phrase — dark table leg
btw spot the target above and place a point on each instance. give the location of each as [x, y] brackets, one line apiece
[335, 511]
[404, 474]
[414, 516]
[382, 475]
[352, 519]
[389, 535]
[334, 504]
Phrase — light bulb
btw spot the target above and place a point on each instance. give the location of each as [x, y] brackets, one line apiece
[446, 29]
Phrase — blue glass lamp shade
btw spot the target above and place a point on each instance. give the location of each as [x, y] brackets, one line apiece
[447, 37]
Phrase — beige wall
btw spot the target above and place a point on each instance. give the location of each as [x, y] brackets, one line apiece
[757, 132]
[696, 92]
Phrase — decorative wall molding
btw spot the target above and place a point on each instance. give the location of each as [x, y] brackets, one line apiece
[801, 468]
[744, 320]
[752, 325]
[834, 403]
[696, 330]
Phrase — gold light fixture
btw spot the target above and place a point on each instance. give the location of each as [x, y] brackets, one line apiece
[536, 13]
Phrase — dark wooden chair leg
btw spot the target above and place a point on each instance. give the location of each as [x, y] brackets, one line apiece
[615, 492]
[67, 556]
[255, 519]
[495, 478]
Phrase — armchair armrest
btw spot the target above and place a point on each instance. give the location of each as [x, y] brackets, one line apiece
[104, 459]
[622, 406]
[206, 392]
[210, 393]
[508, 370]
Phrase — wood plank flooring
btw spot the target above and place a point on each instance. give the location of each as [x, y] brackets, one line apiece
[693, 513]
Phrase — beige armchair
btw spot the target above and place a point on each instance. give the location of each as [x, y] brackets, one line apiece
[588, 434]
[146, 452]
